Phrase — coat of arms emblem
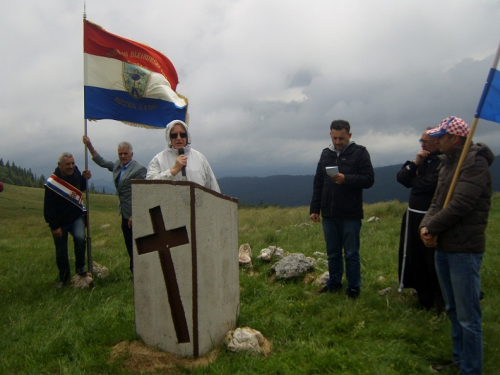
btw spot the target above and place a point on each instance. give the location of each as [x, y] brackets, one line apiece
[135, 80]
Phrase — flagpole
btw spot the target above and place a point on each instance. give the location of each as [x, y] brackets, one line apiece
[473, 127]
[87, 196]
[463, 155]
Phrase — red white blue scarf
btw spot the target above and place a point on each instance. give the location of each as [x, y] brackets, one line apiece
[65, 190]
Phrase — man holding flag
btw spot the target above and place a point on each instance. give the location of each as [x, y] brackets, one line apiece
[124, 170]
[456, 227]
[64, 212]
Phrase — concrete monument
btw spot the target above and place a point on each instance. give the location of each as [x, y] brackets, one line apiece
[186, 273]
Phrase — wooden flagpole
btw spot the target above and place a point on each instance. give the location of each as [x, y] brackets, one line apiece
[463, 155]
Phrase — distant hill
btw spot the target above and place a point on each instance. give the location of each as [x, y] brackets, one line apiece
[293, 191]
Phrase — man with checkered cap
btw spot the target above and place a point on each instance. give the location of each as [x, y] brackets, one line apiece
[457, 231]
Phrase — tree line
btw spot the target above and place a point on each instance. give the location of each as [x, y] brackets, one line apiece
[11, 174]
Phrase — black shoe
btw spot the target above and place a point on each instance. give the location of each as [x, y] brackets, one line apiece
[352, 293]
[81, 271]
[324, 290]
[61, 285]
[439, 367]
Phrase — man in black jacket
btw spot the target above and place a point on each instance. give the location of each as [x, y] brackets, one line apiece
[339, 199]
[64, 212]
[416, 261]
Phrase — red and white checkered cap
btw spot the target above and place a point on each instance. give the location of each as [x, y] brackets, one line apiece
[451, 125]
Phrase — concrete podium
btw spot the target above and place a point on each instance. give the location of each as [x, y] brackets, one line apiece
[186, 271]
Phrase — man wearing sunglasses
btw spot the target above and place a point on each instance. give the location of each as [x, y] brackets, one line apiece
[179, 161]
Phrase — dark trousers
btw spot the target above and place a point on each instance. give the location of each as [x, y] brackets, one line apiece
[77, 230]
[127, 236]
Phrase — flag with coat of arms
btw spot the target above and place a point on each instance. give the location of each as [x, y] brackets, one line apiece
[128, 81]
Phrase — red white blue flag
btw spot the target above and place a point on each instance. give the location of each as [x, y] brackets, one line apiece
[489, 105]
[128, 81]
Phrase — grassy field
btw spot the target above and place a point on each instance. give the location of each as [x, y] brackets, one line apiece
[74, 331]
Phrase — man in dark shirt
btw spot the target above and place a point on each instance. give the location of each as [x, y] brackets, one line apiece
[64, 212]
[339, 198]
[416, 261]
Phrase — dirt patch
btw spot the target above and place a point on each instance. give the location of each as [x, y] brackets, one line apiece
[140, 358]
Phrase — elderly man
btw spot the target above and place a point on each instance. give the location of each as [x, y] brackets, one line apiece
[416, 261]
[64, 212]
[180, 161]
[124, 170]
[339, 198]
[457, 231]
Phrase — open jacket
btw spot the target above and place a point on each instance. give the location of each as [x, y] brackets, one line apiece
[124, 187]
[344, 201]
[461, 224]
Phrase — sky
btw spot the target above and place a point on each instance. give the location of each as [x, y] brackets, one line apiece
[264, 79]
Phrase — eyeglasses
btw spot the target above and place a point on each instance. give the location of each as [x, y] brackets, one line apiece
[426, 141]
[174, 135]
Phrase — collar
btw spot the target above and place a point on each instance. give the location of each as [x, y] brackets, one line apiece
[123, 167]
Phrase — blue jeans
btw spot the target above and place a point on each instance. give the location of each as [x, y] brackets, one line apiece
[77, 230]
[342, 234]
[460, 282]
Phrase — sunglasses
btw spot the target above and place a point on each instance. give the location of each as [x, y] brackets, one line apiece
[174, 135]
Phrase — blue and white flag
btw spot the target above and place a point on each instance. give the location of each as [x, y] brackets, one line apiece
[489, 105]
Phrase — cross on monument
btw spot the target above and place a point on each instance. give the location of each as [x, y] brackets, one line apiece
[161, 241]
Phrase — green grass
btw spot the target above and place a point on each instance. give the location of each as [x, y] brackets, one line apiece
[73, 331]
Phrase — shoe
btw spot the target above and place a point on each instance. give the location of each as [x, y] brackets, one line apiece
[325, 289]
[439, 367]
[352, 293]
[61, 285]
[81, 271]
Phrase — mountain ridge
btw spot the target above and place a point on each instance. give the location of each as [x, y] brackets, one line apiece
[295, 191]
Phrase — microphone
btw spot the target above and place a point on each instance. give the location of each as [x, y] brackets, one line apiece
[181, 152]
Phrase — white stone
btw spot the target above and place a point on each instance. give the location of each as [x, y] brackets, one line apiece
[82, 282]
[270, 252]
[323, 278]
[245, 340]
[292, 266]
[99, 270]
[245, 255]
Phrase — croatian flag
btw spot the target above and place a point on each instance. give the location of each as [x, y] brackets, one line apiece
[489, 105]
[128, 81]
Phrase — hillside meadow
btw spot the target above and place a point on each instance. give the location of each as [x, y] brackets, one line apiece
[77, 331]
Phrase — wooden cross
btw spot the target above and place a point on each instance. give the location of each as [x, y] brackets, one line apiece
[161, 241]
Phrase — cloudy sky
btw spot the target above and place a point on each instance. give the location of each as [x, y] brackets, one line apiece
[264, 79]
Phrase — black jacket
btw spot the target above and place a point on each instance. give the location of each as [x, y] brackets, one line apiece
[422, 180]
[57, 210]
[343, 201]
